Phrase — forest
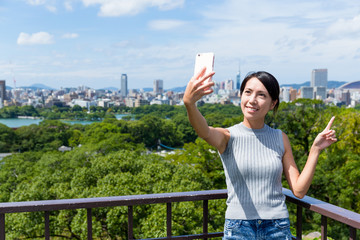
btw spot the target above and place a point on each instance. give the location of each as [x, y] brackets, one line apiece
[119, 157]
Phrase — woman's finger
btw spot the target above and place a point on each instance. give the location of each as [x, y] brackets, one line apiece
[201, 80]
[200, 74]
[330, 123]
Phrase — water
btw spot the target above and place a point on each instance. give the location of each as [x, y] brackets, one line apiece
[78, 122]
[19, 122]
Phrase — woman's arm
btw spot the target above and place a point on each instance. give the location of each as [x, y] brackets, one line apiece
[196, 89]
[300, 183]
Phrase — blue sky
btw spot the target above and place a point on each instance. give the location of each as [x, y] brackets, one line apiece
[68, 43]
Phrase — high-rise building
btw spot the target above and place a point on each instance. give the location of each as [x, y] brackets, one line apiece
[158, 86]
[238, 80]
[293, 94]
[319, 78]
[124, 85]
[229, 84]
[222, 85]
[345, 97]
[2, 91]
[320, 93]
[307, 92]
[286, 94]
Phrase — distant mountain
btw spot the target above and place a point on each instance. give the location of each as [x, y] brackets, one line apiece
[296, 85]
[114, 89]
[147, 89]
[335, 84]
[178, 89]
[38, 86]
[331, 84]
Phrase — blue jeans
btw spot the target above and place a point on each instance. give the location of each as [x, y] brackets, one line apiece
[274, 229]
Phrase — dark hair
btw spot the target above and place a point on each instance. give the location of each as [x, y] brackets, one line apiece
[270, 83]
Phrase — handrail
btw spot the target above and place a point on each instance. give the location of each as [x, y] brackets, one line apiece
[327, 210]
[130, 200]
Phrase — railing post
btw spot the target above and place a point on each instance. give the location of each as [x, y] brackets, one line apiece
[299, 222]
[130, 223]
[89, 223]
[352, 233]
[205, 216]
[168, 220]
[47, 225]
[2, 226]
[323, 227]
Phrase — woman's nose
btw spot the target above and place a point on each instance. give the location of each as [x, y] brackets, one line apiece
[252, 98]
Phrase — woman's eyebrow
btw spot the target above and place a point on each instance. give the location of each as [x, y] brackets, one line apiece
[261, 91]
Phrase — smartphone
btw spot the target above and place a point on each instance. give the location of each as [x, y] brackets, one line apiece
[204, 60]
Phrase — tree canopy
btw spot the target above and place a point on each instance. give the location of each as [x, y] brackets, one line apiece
[119, 157]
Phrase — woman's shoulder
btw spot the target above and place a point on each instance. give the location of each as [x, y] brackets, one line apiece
[236, 126]
[275, 130]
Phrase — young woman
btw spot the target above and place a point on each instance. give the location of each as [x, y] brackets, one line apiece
[254, 156]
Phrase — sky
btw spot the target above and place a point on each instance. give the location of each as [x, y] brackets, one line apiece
[71, 43]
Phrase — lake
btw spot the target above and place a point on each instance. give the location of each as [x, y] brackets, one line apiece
[19, 122]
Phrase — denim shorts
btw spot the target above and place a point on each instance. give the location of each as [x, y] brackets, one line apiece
[273, 229]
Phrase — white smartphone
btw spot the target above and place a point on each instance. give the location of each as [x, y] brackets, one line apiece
[204, 60]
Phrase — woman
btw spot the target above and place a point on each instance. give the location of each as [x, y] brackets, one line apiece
[254, 156]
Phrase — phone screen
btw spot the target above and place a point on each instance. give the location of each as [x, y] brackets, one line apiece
[204, 60]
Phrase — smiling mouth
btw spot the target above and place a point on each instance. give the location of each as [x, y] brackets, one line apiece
[252, 109]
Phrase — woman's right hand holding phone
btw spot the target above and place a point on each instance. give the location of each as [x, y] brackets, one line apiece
[198, 86]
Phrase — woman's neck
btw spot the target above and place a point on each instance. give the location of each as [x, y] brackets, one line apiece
[258, 124]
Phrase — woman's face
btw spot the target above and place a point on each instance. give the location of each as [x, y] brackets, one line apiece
[256, 101]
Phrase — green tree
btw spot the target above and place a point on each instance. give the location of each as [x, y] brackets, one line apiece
[76, 108]
[86, 173]
[48, 135]
[7, 138]
[204, 157]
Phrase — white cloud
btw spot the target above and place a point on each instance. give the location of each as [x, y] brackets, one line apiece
[344, 28]
[49, 4]
[52, 9]
[115, 8]
[70, 35]
[165, 24]
[36, 2]
[282, 37]
[35, 38]
[68, 6]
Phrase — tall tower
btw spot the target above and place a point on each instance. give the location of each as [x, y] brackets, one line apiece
[319, 78]
[158, 86]
[238, 79]
[124, 85]
[2, 91]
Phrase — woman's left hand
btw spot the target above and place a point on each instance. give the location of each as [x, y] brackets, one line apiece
[326, 137]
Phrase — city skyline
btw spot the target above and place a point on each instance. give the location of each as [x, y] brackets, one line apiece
[82, 42]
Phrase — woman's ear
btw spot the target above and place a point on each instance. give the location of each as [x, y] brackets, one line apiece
[273, 103]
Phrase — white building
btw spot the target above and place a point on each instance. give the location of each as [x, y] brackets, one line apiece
[319, 78]
[158, 86]
[307, 92]
[82, 103]
[320, 93]
[285, 93]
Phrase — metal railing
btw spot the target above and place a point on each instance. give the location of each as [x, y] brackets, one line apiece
[326, 210]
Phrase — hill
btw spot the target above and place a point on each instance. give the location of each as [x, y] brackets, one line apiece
[331, 84]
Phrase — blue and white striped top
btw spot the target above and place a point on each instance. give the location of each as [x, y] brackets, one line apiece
[253, 169]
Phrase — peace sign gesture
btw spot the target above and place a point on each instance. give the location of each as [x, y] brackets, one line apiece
[326, 137]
